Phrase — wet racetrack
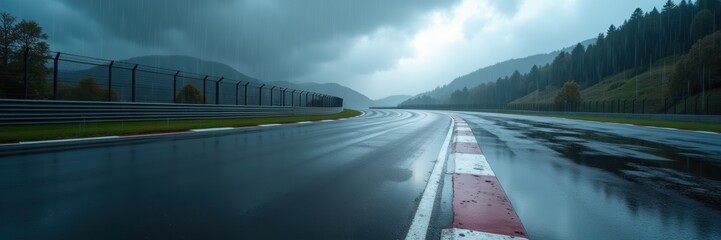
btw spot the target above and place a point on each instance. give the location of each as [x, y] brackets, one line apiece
[361, 178]
[572, 179]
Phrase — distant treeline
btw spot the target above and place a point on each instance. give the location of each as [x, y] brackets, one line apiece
[640, 41]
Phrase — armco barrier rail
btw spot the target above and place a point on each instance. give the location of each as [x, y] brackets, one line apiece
[44, 111]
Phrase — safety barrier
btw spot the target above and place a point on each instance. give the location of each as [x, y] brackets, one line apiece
[43, 111]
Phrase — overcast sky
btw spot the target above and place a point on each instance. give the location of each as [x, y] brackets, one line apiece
[377, 47]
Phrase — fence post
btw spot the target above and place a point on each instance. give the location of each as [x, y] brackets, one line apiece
[306, 99]
[25, 71]
[110, 81]
[707, 102]
[175, 85]
[237, 92]
[245, 94]
[674, 105]
[55, 76]
[643, 106]
[260, 95]
[205, 79]
[217, 90]
[132, 90]
[282, 97]
[271, 95]
[292, 98]
[300, 98]
[685, 105]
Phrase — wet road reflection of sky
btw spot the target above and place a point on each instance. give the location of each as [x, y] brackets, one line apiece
[353, 179]
[581, 180]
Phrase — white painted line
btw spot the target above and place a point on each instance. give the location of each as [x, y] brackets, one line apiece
[304, 122]
[343, 119]
[462, 124]
[706, 132]
[464, 139]
[463, 128]
[269, 125]
[211, 129]
[69, 140]
[327, 120]
[422, 218]
[455, 233]
[474, 164]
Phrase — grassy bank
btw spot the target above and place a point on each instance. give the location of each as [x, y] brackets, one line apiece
[13, 133]
[696, 126]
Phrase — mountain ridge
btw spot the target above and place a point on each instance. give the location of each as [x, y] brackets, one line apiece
[498, 70]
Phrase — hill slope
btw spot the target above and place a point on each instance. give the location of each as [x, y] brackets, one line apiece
[390, 101]
[351, 98]
[498, 70]
[624, 85]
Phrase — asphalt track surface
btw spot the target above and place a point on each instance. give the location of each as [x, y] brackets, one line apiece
[362, 179]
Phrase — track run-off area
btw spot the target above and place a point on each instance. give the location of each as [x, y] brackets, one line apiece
[373, 177]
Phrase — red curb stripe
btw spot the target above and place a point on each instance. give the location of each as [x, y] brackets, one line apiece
[463, 133]
[480, 204]
[464, 147]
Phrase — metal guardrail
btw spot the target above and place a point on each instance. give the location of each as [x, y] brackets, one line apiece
[17, 112]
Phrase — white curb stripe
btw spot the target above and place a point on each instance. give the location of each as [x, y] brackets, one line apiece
[463, 128]
[455, 233]
[464, 139]
[269, 125]
[422, 218]
[474, 164]
[211, 129]
[304, 122]
[327, 120]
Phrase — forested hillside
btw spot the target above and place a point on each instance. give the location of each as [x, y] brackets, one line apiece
[639, 42]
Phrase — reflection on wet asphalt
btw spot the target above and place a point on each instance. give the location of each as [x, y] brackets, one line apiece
[574, 179]
[359, 178]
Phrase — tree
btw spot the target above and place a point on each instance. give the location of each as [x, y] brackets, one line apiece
[87, 89]
[8, 37]
[15, 39]
[569, 97]
[700, 69]
[459, 96]
[189, 94]
[701, 25]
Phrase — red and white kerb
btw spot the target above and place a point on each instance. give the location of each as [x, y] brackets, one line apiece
[481, 209]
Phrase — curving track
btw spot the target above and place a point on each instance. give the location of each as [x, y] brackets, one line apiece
[362, 178]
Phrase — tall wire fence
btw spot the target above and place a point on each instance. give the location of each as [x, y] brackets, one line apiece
[26, 74]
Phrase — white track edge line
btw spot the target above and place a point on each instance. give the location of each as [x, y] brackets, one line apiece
[68, 140]
[211, 129]
[422, 218]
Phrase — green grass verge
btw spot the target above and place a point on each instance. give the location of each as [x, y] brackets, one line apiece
[13, 133]
[696, 126]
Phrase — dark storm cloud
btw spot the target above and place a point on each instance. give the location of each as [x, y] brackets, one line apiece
[275, 39]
